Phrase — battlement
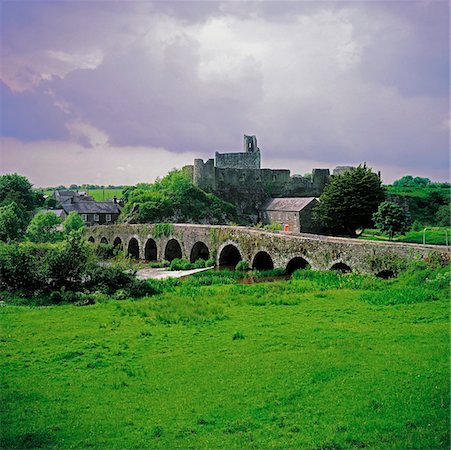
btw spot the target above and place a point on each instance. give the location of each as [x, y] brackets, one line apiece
[238, 178]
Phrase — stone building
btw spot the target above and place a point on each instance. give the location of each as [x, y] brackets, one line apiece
[294, 214]
[91, 212]
[239, 179]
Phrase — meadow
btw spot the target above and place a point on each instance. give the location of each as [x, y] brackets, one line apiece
[99, 195]
[433, 236]
[321, 361]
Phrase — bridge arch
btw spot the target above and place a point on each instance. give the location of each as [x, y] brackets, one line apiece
[199, 251]
[262, 261]
[91, 239]
[229, 255]
[386, 274]
[117, 243]
[296, 263]
[150, 250]
[340, 266]
[172, 250]
[104, 240]
[133, 248]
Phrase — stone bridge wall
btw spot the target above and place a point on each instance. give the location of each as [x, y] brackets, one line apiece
[321, 252]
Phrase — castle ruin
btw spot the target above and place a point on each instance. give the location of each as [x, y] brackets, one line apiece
[238, 178]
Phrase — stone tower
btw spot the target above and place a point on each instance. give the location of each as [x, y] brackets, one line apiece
[250, 144]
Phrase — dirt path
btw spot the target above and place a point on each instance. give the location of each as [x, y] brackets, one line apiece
[160, 274]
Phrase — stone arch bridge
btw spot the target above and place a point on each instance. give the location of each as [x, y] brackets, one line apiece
[262, 249]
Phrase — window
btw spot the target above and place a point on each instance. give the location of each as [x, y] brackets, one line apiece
[84, 217]
[96, 217]
[108, 218]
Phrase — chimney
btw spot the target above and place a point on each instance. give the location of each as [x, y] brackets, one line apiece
[115, 199]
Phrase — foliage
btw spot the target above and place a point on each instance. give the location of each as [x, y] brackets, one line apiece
[44, 228]
[417, 226]
[390, 218]
[162, 229]
[17, 188]
[110, 279]
[184, 264]
[68, 265]
[410, 181]
[424, 203]
[443, 215]
[175, 199]
[273, 227]
[12, 222]
[242, 265]
[73, 222]
[104, 251]
[349, 201]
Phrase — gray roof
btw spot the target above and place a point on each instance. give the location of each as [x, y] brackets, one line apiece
[92, 207]
[288, 203]
[67, 196]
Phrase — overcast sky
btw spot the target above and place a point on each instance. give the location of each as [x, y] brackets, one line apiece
[121, 92]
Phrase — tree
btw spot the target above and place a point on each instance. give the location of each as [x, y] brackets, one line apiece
[409, 181]
[43, 228]
[349, 201]
[12, 222]
[443, 216]
[17, 188]
[174, 198]
[390, 218]
[73, 222]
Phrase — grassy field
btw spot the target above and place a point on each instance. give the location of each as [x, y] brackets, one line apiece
[98, 195]
[434, 235]
[324, 361]
[421, 192]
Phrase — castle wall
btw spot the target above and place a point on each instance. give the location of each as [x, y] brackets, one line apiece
[248, 160]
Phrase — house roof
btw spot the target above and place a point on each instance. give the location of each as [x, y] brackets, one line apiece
[92, 207]
[288, 203]
[67, 196]
[57, 212]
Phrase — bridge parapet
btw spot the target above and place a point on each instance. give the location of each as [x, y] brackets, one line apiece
[190, 241]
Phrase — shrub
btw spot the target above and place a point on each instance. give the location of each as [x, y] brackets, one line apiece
[69, 264]
[159, 265]
[242, 265]
[199, 264]
[210, 262]
[109, 279]
[44, 228]
[104, 251]
[238, 335]
[180, 264]
[273, 227]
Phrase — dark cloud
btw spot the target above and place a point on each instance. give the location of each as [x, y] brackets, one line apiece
[337, 81]
[31, 115]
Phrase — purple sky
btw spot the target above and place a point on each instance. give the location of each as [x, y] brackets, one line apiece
[121, 92]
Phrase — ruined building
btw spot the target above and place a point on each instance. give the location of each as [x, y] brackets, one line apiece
[239, 179]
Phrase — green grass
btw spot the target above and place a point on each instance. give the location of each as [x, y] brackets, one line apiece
[321, 361]
[434, 235]
[421, 192]
[98, 195]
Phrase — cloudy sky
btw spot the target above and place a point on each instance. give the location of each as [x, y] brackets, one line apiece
[121, 92]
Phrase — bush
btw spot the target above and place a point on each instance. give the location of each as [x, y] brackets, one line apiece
[180, 264]
[109, 279]
[159, 265]
[104, 251]
[21, 266]
[242, 265]
[69, 264]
